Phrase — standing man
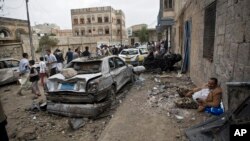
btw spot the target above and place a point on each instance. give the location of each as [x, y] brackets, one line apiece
[3, 123]
[51, 62]
[69, 56]
[24, 73]
[86, 53]
[59, 57]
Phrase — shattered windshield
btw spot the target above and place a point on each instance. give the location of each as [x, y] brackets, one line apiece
[129, 52]
[86, 67]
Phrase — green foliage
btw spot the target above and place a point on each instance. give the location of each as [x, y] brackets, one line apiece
[47, 42]
[143, 34]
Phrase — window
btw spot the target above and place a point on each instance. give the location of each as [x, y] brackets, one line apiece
[119, 63]
[168, 4]
[2, 65]
[99, 19]
[106, 19]
[111, 64]
[209, 31]
[106, 30]
[118, 32]
[76, 33]
[93, 29]
[82, 32]
[93, 18]
[118, 21]
[82, 21]
[90, 31]
[89, 20]
[12, 63]
[100, 31]
[75, 21]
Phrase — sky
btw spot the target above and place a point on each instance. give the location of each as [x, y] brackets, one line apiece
[58, 11]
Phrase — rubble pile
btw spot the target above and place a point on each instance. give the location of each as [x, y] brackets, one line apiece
[165, 96]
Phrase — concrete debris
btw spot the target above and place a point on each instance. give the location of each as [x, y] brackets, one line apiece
[76, 123]
[27, 134]
[186, 102]
[179, 117]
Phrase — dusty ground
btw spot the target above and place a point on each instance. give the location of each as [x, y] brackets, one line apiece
[146, 113]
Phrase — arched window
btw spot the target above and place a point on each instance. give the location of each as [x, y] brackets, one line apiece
[4, 32]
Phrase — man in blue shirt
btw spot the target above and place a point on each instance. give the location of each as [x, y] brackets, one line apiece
[69, 56]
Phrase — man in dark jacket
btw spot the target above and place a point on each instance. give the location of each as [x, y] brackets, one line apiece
[86, 53]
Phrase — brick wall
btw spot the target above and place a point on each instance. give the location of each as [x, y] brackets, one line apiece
[231, 61]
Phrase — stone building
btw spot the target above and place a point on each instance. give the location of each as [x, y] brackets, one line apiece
[213, 37]
[10, 37]
[99, 24]
[134, 37]
[166, 21]
[45, 29]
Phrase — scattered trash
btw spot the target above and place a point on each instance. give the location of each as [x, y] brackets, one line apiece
[179, 117]
[34, 118]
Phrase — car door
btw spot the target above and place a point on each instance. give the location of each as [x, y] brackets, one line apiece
[14, 66]
[6, 74]
[121, 72]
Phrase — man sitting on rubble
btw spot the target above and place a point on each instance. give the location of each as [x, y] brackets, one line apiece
[208, 97]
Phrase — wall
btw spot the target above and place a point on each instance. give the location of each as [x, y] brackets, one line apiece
[231, 61]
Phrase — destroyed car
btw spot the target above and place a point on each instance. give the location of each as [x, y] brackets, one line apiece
[90, 90]
[9, 70]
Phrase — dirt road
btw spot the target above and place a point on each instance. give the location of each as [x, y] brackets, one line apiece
[143, 115]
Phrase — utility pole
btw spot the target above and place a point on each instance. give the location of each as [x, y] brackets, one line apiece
[30, 34]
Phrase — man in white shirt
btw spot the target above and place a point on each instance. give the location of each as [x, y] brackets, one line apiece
[51, 62]
[24, 73]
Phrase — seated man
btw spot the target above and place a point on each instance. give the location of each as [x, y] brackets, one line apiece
[208, 97]
[212, 102]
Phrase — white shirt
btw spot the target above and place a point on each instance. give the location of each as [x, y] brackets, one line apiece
[51, 58]
[42, 66]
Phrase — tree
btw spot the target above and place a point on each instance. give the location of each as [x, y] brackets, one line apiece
[143, 34]
[47, 42]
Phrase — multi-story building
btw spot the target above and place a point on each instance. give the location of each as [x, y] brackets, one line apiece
[166, 20]
[99, 25]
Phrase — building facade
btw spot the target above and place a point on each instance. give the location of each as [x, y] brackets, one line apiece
[99, 24]
[10, 37]
[214, 39]
[166, 21]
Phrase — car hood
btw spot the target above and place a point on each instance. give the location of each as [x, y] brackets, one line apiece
[79, 76]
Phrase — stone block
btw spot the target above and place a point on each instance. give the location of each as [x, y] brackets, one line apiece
[230, 15]
[246, 11]
[238, 32]
[221, 7]
[247, 74]
[238, 11]
[233, 51]
[247, 31]
[243, 53]
[238, 72]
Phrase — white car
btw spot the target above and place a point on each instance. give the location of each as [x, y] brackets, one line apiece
[9, 70]
[134, 56]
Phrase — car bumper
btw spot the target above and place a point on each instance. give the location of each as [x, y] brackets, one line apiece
[76, 97]
[78, 110]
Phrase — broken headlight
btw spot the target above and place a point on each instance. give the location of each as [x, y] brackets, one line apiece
[93, 86]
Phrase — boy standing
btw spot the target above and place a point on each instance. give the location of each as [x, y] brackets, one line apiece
[34, 77]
